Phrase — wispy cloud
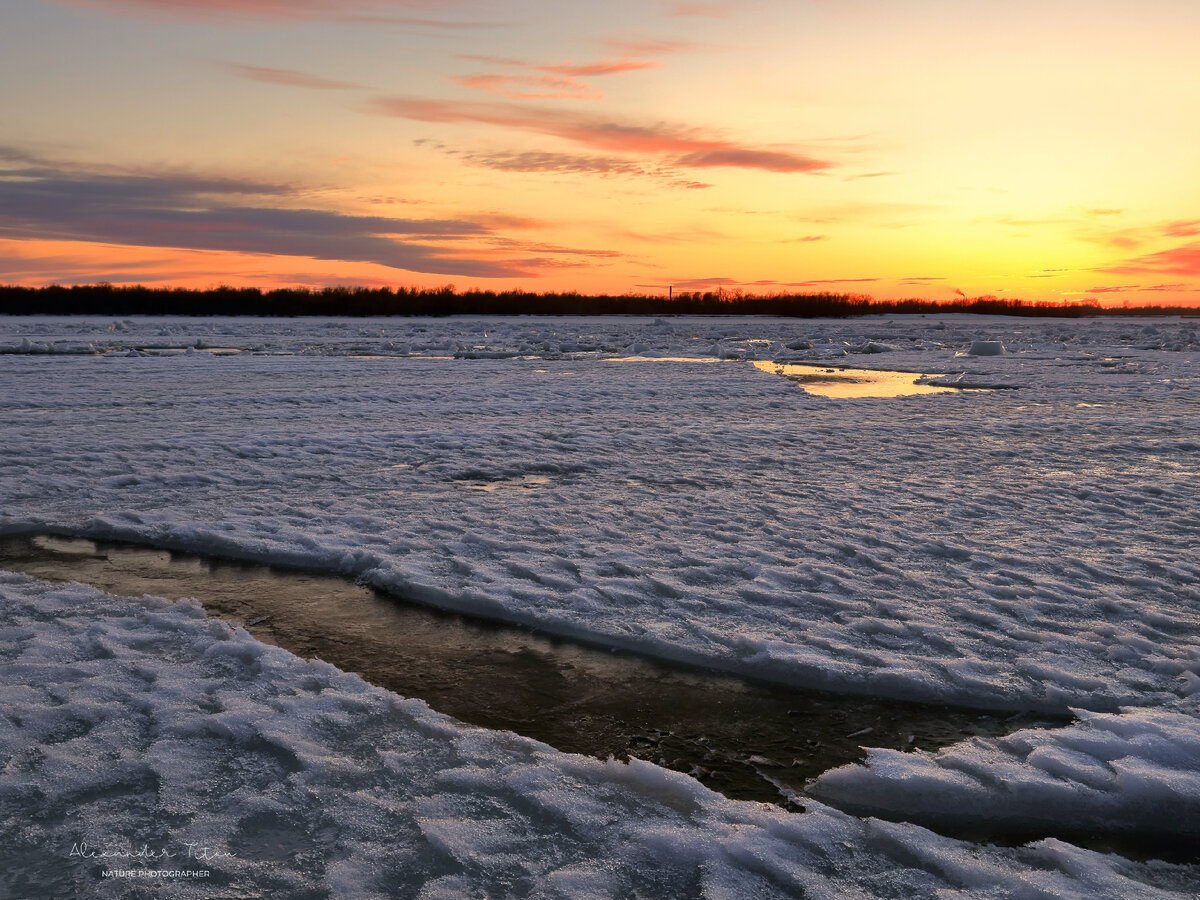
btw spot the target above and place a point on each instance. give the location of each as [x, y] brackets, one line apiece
[631, 45]
[685, 147]
[714, 10]
[25, 262]
[558, 81]
[1182, 260]
[289, 77]
[528, 87]
[556, 163]
[1134, 289]
[602, 67]
[384, 11]
[735, 282]
[1182, 228]
[580, 70]
[46, 202]
[823, 281]
[891, 215]
[577, 164]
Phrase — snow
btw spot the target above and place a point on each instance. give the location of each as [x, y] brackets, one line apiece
[1029, 547]
[1136, 771]
[141, 725]
[985, 348]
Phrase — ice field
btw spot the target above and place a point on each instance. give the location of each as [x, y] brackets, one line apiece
[1027, 543]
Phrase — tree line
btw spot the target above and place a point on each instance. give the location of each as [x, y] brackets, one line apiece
[134, 300]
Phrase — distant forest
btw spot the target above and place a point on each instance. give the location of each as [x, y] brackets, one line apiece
[137, 300]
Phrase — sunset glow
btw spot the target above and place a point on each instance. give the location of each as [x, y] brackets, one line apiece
[936, 148]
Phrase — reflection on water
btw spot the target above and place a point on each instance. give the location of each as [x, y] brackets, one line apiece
[845, 384]
[746, 739]
[828, 381]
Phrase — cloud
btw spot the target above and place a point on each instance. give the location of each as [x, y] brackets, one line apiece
[545, 162]
[580, 70]
[1134, 289]
[705, 282]
[1182, 228]
[284, 10]
[890, 215]
[186, 211]
[742, 158]
[1182, 260]
[602, 67]
[557, 250]
[816, 281]
[714, 10]
[869, 175]
[289, 77]
[558, 163]
[734, 282]
[687, 148]
[25, 262]
[546, 82]
[528, 87]
[636, 46]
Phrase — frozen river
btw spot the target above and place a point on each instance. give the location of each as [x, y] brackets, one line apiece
[1030, 547]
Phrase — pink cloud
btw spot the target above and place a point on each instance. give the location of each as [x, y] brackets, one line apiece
[577, 164]
[602, 67]
[690, 148]
[715, 10]
[1182, 260]
[743, 158]
[1134, 288]
[266, 10]
[817, 281]
[634, 46]
[1182, 228]
[734, 282]
[545, 82]
[560, 163]
[581, 70]
[289, 77]
[528, 87]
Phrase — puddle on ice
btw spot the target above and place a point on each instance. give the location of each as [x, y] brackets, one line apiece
[743, 738]
[844, 384]
[830, 381]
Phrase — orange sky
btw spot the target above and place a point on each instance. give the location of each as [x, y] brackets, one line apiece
[920, 148]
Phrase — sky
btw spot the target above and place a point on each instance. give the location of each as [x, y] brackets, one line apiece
[898, 148]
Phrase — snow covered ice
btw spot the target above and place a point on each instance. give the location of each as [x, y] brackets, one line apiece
[1029, 547]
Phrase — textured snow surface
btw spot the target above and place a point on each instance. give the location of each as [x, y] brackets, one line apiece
[1136, 770]
[1033, 546]
[130, 725]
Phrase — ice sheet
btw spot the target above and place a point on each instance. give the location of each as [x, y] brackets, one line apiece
[1032, 547]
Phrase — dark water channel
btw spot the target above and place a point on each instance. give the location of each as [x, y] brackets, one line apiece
[746, 739]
